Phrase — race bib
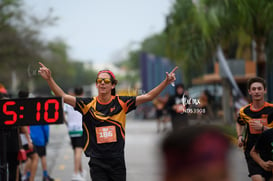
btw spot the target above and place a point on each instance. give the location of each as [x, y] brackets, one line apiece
[106, 134]
[260, 120]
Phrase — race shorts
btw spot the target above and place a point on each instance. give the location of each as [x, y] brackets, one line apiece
[254, 168]
[29, 151]
[41, 150]
[77, 142]
[107, 169]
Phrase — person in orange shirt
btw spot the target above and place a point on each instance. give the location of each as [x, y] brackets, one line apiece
[104, 119]
[253, 119]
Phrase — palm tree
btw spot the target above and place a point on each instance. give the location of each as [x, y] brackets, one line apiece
[186, 43]
[221, 22]
[256, 19]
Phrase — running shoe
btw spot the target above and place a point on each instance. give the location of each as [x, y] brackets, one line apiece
[48, 178]
[77, 177]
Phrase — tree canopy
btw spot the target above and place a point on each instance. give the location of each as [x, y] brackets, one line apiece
[21, 48]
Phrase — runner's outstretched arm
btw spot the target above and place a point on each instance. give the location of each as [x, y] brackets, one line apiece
[170, 77]
[46, 74]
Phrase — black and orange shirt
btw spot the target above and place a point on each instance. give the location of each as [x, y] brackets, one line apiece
[246, 115]
[104, 125]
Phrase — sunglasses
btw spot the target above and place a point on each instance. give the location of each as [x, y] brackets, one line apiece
[106, 80]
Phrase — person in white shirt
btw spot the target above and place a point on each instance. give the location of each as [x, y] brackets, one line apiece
[74, 125]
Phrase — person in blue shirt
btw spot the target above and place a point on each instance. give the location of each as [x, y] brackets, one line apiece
[40, 137]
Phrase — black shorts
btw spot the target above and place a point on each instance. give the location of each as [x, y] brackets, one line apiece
[77, 142]
[29, 151]
[41, 150]
[107, 169]
[159, 113]
[255, 169]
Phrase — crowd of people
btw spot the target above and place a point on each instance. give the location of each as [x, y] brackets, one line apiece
[34, 140]
[179, 108]
[104, 119]
[96, 127]
[102, 135]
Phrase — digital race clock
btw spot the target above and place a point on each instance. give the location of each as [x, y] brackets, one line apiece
[31, 111]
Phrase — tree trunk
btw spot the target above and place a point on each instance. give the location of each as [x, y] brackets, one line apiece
[261, 56]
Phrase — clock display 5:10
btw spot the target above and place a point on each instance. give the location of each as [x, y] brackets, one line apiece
[31, 111]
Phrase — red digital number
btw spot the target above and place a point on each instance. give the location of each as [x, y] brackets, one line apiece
[56, 113]
[38, 109]
[10, 113]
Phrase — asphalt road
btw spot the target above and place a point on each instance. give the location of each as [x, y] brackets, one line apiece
[142, 154]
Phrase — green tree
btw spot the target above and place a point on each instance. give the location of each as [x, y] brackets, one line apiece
[21, 48]
[83, 76]
[154, 44]
[195, 29]
[186, 43]
[20, 45]
[249, 17]
[67, 73]
[257, 21]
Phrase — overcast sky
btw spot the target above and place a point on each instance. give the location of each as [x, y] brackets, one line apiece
[101, 30]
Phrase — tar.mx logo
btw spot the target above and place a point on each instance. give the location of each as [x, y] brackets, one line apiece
[192, 106]
[189, 101]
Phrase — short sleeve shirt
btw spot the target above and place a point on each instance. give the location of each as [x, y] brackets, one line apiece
[246, 115]
[74, 121]
[104, 125]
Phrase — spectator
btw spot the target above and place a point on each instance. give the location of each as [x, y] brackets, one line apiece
[206, 104]
[177, 107]
[9, 141]
[40, 137]
[161, 112]
[75, 131]
[31, 164]
[196, 153]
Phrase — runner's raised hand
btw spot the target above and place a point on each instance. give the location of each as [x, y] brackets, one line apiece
[170, 77]
[44, 72]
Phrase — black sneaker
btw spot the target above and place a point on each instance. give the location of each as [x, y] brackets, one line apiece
[48, 178]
